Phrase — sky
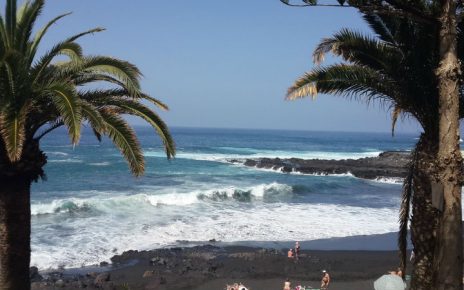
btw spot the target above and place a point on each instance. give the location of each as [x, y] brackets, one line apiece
[222, 64]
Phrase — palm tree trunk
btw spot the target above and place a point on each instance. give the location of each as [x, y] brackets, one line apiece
[448, 252]
[424, 216]
[15, 230]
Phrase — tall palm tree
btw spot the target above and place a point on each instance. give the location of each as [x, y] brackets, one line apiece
[395, 67]
[40, 94]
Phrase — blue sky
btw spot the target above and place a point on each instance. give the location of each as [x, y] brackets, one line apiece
[222, 63]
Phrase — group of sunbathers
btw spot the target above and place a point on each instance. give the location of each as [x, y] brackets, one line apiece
[325, 281]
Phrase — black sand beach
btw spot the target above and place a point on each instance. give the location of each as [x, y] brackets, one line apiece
[213, 266]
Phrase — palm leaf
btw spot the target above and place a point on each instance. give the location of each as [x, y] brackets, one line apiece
[350, 81]
[156, 102]
[125, 72]
[138, 109]
[39, 35]
[10, 18]
[395, 114]
[379, 27]
[12, 130]
[405, 210]
[26, 17]
[358, 49]
[71, 49]
[124, 138]
[64, 98]
[93, 116]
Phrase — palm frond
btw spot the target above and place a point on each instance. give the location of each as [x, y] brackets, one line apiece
[379, 27]
[5, 40]
[137, 109]
[39, 35]
[90, 31]
[358, 49]
[101, 97]
[124, 138]
[123, 71]
[26, 17]
[93, 116]
[86, 78]
[350, 81]
[10, 17]
[395, 114]
[71, 49]
[405, 210]
[64, 98]
[155, 102]
[12, 130]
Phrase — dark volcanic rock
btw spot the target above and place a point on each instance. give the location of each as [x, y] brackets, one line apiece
[101, 279]
[34, 274]
[387, 164]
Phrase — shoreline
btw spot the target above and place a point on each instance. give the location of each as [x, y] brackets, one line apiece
[353, 262]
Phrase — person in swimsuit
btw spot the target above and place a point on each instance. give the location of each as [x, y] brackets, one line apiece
[325, 280]
[287, 285]
[297, 250]
[290, 254]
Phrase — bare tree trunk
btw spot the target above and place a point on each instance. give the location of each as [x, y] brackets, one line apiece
[448, 252]
[424, 215]
[15, 230]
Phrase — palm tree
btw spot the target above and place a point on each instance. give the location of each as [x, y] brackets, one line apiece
[40, 94]
[396, 68]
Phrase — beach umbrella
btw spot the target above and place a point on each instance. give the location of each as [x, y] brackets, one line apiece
[389, 282]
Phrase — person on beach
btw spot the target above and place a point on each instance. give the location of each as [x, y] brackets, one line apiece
[290, 254]
[325, 280]
[287, 285]
[297, 250]
[412, 257]
[398, 272]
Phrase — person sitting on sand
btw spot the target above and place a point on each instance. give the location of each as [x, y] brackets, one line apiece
[287, 285]
[297, 250]
[325, 280]
[290, 254]
[398, 272]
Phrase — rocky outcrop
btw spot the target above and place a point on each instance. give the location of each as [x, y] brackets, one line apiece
[387, 164]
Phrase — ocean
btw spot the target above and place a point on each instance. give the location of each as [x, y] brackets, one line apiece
[91, 208]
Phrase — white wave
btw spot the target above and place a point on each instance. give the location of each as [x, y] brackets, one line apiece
[389, 180]
[56, 153]
[91, 240]
[296, 172]
[220, 157]
[100, 164]
[58, 206]
[107, 204]
[68, 160]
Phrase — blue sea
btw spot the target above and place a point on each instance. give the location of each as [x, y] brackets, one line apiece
[91, 208]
